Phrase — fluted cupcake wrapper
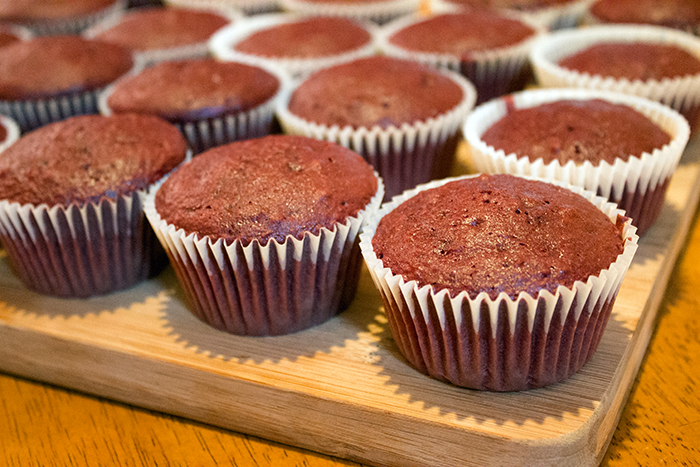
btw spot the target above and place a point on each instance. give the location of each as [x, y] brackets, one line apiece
[503, 344]
[206, 133]
[378, 11]
[12, 130]
[248, 7]
[34, 113]
[493, 72]
[74, 24]
[272, 289]
[681, 94]
[637, 185]
[554, 17]
[222, 43]
[148, 57]
[80, 251]
[404, 156]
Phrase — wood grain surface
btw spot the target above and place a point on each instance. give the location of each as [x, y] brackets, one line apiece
[130, 346]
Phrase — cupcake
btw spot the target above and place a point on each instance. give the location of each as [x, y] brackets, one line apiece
[10, 34]
[158, 34]
[658, 63]
[401, 116]
[262, 233]
[9, 132]
[489, 48]
[553, 14]
[47, 79]
[58, 17]
[678, 14]
[249, 7]
[379, 11]
[622, 147]
[71, 219]
[496, 282]
[298, 44]
[211, 102]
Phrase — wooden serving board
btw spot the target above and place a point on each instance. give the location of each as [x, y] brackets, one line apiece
[341, 388]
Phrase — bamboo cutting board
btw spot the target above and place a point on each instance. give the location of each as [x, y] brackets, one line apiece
[341, 388]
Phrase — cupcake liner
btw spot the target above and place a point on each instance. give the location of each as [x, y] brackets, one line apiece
[554, 17]
[74, 24]
[275, 289]
[198, 50]
[202, 134]
[80, 251]
[503, 344]
[637, 185]
[221, 45]
[682, 94]
[31, 114]
[494, 72]
[379, 11]
[12, 130]
[249, 7]
[403, 157]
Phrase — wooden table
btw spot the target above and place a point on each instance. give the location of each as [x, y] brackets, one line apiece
[41, 424]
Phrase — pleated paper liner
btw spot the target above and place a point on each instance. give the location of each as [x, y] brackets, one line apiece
[380, 11]
[272, 289]
[637, 185]
[74, 24]
[503, 344]
[248, 7]
[222, 43]
[12, 132]
[681, 93]
[404, 156]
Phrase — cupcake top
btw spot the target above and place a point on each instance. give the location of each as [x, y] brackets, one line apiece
[497, 233]
[576, 130]
[671, 13]
[56, 65]
[634, 61]
[378, 90]
[7, 37]
[267, 188]
[524, 5]
[312, 37]
[148, 29]
[461, 33]
[86, 158]
[193, 89]
[22, 10]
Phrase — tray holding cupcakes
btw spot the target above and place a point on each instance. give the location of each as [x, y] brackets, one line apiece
[343, 387]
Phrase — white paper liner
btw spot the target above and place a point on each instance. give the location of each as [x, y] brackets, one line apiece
[214, 131]
[502, 344]
[31, 114]
[266, 290]
[79, 251]
[249, 7]
[152, 56]
[494, 72]
[221, 45]
[12, 130]
[73, 24]
[553, 17]
[682, 93]
[403, 157]
[379, 11]
[631, 179]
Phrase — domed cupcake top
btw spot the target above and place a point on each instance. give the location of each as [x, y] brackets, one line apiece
[373, 91]
[193, 89]
[497, 233]
[85, 158]
[591, 130]
[267, 188]
[55, 65]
